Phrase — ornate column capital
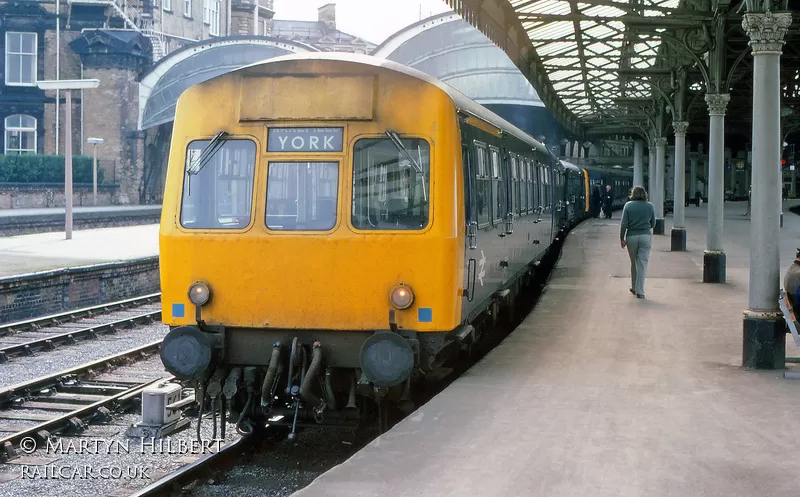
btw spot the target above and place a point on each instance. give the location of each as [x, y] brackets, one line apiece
[680, 127]
[717, 103]
[767, 31]
[660, 142]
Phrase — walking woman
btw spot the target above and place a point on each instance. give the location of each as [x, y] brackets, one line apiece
[638, 220]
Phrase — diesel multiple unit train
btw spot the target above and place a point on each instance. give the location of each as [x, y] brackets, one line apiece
[335, 228]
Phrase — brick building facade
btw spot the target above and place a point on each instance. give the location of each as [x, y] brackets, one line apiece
[321, 33]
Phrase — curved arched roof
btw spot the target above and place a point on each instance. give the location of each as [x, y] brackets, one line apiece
[451, 50]
[195, 63]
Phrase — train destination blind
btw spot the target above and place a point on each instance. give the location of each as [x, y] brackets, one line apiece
[305, 139]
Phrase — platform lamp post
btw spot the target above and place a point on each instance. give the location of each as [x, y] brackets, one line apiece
[68, 85]
[95, 142]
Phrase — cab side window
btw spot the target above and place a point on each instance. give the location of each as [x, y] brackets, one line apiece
[483, 192]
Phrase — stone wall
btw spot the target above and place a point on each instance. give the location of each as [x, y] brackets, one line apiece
[177, 22]
[242, 17]
[39, 195]
[51, 292]
[70, 68]
[111, 113]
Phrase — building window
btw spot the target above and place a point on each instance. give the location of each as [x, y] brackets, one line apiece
[207, 11]
[20, 134]
[213, 24]
[187, 8]
[167, 5]
[21, 59]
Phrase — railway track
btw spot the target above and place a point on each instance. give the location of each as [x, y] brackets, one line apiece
[68, 401]
[71, 316]
[212, 462]
[72, 337]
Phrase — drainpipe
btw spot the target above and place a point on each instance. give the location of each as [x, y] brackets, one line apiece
[58, 68]
[81, 111]
[229, 16]
[255, 19]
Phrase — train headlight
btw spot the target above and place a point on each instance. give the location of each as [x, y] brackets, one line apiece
[401, 296]
[199, 293]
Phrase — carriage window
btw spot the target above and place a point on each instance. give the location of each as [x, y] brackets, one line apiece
[548, 193]
[302, 196]
[516, 177]
[483, 194]
[497, 186]
[218, 184]
[542, 188]
[539, 185]
[531, 186]
[391, 187]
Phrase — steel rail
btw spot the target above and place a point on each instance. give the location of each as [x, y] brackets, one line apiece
[84, 414]
[74, 315]
[24, 389]
[71, 337]
[185, 475]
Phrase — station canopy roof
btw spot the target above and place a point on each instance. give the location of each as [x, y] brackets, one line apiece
[619, 64]
[583, 47]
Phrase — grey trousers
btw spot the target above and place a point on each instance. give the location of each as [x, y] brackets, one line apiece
[639, 252]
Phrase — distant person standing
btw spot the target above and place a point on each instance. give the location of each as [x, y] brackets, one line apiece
[608, 202]
[635, 233]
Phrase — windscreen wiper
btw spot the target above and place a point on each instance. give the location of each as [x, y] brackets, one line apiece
[402, 149]
[206, 154]
[399, 145]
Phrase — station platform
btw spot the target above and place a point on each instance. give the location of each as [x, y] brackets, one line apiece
[598, 393]
[26, 221]
[78, 212]
[25, 254]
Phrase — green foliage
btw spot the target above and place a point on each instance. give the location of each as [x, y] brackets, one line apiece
[45, 169]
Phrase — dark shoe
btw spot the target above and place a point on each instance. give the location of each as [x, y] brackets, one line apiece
[639, 296]
[631, 290]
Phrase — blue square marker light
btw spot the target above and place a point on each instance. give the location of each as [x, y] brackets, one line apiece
[177, 310]
[425, 315]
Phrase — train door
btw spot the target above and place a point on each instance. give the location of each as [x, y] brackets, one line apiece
[483, 245]
[549, 178]
[545, 218]
[561, 192]
[471, 222]
[570, 194]
[506, 232]
[557, 202]
[572, 197]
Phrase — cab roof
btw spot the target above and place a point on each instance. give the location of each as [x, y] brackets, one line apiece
[461, 101]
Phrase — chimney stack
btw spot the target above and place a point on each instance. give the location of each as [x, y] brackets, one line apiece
[327, 15]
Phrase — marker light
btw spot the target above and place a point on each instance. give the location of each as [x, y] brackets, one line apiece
[199, 293]
[401, 296]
